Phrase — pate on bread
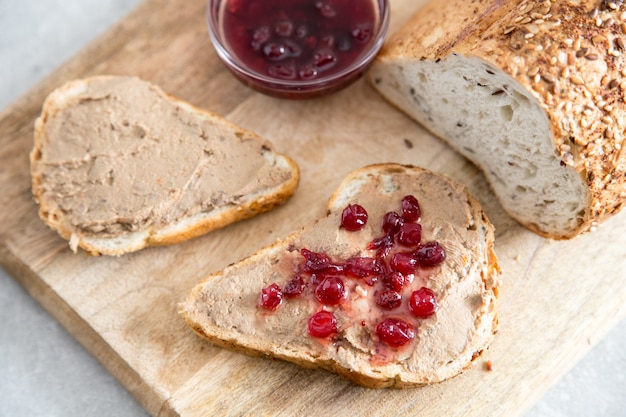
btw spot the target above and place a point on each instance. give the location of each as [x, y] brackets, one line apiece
[118, 165]
[533, 92]
[238, 307]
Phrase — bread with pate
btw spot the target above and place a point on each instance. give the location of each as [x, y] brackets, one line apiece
[119, 165]
[284, 300]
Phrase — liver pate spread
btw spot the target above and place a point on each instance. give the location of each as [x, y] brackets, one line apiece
[123, 156]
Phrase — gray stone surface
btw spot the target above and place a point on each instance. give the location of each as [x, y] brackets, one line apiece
[45, 372]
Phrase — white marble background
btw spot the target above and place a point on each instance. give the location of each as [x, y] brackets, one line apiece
[45, 372]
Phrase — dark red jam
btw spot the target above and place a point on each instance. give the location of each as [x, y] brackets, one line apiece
[395, 257]
[299, 40]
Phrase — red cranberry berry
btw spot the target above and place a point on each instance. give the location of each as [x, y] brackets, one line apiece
[353, 217]
[286, 71]
[330, 291]
[423, 303]
[410, 234]
[430, 254]
[301, 31]
[322, 324]
[389, 300]
[382, 260]
[410, 209]
[294, 287]
[283, 28]
[403, 262]
[307, 72]
[394, 280]
[326, 9]
[275, 51]
[395, 332]
[259, 37]
[318, 262]
[392, 222]
[271, 297]
[324, 59]
[361, 267]
[362, 33]
[383, 243]
[293, 49]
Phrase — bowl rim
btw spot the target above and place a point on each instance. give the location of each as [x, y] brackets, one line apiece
[235, 64]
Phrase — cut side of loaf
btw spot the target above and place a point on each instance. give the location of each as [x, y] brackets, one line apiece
[230, 308]
[531, 92]
[119, 165]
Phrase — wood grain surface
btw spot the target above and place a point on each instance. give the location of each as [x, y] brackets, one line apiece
[557, 298]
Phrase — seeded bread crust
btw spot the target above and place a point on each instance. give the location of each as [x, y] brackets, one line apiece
[566, 57]
[72, 94]
[223, 308]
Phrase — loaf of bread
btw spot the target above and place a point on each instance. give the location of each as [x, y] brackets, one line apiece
[396, 287]
[118, 165]
[531, 91]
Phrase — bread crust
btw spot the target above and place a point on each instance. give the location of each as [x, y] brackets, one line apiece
[569, 55]
[187, 228]
[201, 308]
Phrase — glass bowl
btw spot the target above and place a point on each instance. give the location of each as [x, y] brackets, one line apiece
[297, 48]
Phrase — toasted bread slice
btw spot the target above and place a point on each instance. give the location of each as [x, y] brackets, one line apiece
[238, 308]
[118, 165]
[531, 93]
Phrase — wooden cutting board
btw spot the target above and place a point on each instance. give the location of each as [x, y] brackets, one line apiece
[557, 299]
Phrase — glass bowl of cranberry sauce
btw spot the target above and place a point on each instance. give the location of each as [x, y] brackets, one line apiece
[297, 48]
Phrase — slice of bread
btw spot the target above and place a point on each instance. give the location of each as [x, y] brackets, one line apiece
[229, 310]
[118, 165]
[532, 92]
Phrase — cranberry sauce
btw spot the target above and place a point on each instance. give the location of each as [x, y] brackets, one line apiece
[299, 40]
[391, 262]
